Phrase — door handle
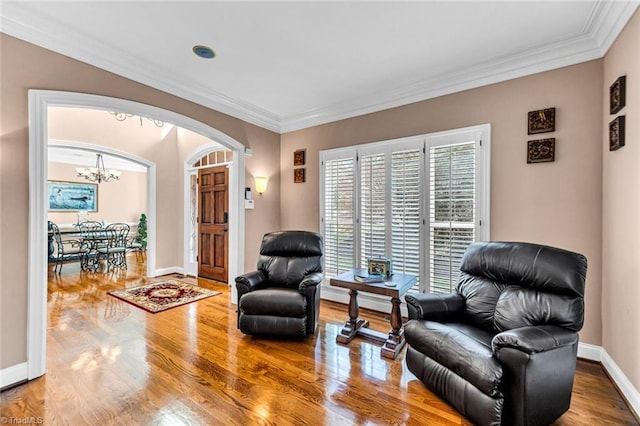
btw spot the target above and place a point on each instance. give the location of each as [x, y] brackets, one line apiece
[225, 217]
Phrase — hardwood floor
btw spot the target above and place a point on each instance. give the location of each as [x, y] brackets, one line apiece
[109, 362]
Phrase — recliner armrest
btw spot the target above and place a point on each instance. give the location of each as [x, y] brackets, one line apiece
[311, 280]
[249, 281]
[534, 339]
[434, 307]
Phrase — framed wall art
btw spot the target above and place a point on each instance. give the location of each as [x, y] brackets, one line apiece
[299, 175]
[617, 95]
[542, 121]
[72, 196]
[541, 150]
[616, 133]
[299, 157]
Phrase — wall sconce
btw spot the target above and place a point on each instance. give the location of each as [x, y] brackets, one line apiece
[261, 184]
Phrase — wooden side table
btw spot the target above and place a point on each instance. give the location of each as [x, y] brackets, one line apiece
[392, 342]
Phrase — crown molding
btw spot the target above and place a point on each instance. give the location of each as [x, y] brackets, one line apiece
[605, 22]
[52, 36]
[609, 23]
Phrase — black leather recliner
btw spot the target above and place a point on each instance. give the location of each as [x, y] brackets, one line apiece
[502, 349]
[282, 297]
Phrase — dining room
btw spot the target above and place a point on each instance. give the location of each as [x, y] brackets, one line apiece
[96, 202]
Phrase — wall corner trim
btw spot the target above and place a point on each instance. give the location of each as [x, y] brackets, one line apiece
[11, 375]
[167, 271]
[630, 394]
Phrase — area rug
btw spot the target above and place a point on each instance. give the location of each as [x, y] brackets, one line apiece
[163, 295]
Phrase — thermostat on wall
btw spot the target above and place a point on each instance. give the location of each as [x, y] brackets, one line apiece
[248, 204]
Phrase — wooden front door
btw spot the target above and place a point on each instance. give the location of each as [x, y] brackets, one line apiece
[213, 241]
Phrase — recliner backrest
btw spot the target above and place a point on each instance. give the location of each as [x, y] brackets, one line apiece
[509, 285]
[287, 256]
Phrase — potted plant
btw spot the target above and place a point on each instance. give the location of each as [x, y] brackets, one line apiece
[142, 231]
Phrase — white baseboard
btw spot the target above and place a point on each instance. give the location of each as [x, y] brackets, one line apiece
[590, 352]
[167, 271]
[629, 391]
[14, 374]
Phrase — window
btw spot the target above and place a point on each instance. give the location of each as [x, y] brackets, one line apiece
[339, 217]
[451, 212]
[419, 201]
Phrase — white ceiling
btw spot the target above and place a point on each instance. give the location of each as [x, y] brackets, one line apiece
[290, 65]
[85, 158]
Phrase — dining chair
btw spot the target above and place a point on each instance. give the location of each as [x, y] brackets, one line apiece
[65, 249]
[134, 246]
[115, 249]
[91, 236]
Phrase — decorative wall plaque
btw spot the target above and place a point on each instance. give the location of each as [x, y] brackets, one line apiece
[298, 157]
[541, 150]
[616, 133]
[617, 95]
[542, 121]
[298, 175]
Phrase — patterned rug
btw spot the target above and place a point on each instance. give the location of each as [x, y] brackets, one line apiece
[163, 295]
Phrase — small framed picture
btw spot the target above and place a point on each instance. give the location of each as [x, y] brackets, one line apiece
[616, 133]
[617, 95]
[298, 175]
[298, 157]
[542, 121]
[541, 150]
[379, 266]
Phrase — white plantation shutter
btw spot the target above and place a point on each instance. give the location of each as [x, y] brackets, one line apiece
[452, 211]
[406, 214]
[372, 207]
[419, 201]
[338, 215]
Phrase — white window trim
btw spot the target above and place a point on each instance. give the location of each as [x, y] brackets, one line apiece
[480, 133]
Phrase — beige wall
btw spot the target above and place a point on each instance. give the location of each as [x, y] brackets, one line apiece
[118, 201]
[25, 66]
[551, 203]
[621, 210]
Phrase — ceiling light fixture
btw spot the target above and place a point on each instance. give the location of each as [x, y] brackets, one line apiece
[204, 52]
[98, 173]
[121, 116]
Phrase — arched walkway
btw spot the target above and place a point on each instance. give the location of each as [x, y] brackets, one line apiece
[39, 102]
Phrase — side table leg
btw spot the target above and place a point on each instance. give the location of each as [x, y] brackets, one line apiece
[395, 341]
[353, 324]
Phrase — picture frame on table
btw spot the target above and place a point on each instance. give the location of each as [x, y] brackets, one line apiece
[72, 196]
[380, 266]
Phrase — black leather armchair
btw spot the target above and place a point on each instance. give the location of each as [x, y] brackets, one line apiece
[283, 296]
[502, 349]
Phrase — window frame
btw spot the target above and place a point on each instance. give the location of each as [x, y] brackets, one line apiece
[480, 134]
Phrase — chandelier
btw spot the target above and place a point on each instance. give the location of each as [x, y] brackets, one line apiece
[121, 116]
[98, 173]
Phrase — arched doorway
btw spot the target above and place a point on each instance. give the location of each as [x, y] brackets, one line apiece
[39, 102]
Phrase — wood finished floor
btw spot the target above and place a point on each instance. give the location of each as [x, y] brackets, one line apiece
[109, 362]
